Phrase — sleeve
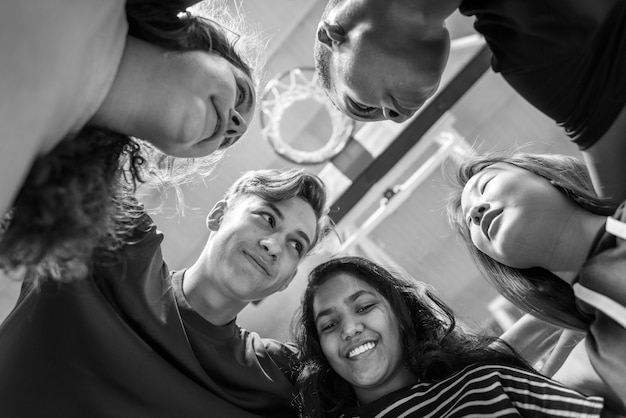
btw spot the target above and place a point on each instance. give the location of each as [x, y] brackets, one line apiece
[58, 59]
[565, 57]
[537, 396]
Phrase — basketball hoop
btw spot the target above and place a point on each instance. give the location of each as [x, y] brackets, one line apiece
[282, 92]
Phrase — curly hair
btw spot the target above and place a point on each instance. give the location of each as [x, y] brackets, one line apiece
[535, 290]
[79, 197]
[434, 346]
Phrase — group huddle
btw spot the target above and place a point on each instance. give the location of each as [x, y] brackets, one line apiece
[102, 326]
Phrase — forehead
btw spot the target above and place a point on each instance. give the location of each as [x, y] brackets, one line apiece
[340, 289]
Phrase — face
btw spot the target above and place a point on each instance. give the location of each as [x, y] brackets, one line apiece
[360, 336]
[206, 104]
[514, 216]
[377, 73]
[255, 246]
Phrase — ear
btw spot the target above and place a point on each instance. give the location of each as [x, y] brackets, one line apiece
[288, 282]
[329, 34]
[214, 218]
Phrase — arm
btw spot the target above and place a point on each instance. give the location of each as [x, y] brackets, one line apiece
[532, 338]
[578, 373]
[47, 48]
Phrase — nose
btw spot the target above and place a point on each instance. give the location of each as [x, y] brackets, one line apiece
[237, 125]
[477, 212]
[393, 115]
[271, 246]
[351, 328]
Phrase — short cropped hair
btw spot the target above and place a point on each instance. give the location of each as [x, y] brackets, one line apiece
[535, 290]
[276, 185]
[321, 54]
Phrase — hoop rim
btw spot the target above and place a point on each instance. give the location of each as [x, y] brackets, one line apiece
[271, 114]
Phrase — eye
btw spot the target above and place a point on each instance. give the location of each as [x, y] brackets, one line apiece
[365, 308]
[298, 246]
[243, 93]
[328, 326]
[269, 218]
[362, 109]
[484, 186]
[228, 141]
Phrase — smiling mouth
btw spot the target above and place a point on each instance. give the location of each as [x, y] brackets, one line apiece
[258, 263]
[487, 220]
[361, 349]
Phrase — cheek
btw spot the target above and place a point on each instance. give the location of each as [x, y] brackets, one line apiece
[328, 349]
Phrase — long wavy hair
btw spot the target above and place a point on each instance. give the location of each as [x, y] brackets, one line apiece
[75, 198]
[208, 27]
[434, 346]
[80, 196]
[535, 290]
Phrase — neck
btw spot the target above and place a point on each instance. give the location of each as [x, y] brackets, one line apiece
[124, 108]
[207, 299]
[571, 249]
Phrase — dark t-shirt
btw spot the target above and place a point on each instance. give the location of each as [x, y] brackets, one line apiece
[566, 57]
[114, 345]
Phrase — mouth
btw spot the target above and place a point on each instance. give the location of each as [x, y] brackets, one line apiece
[218, 124]
[487, 221]
[361, 349]
[256, 261]
[406, 110]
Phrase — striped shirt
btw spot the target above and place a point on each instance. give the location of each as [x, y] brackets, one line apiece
[484, 391]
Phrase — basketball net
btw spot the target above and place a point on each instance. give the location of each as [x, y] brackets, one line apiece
[282, 92]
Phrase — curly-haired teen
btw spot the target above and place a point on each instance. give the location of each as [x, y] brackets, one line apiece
[377, 343]
[138, 69]
[142, 68]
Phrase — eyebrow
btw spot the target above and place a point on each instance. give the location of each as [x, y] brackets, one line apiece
[300, 232]
[349, 299]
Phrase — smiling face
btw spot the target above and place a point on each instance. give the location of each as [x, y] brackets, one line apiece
[378, 65]
[360, 336]
[203, 104]
[255, 246]
[515, 216]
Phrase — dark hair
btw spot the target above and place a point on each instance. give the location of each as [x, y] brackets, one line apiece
[536, 290]
[76, 197]
[276, 185]
[434, 346]
[79, 197]
[321, 54]
[164, 23]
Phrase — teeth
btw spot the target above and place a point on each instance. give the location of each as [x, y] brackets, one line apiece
[361, 349]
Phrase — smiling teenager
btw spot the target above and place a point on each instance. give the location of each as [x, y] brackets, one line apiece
[382, 59]
[137, 70]
[134, 339]
[377, 343]
[540, 234]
